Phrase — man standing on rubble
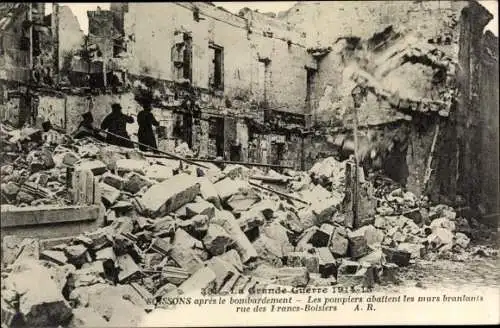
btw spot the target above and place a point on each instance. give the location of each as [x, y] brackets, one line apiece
[116, 124]
[86, 128]
[146, 120]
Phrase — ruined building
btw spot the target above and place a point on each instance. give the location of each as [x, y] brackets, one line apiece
[429, 115]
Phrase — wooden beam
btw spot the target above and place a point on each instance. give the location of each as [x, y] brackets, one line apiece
[215, 161]
[49, 214]
[279, 193]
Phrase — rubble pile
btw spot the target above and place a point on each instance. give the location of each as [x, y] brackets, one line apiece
[33, 167]
[172, 228]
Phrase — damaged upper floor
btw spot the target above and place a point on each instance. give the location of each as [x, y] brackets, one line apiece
[193, 52]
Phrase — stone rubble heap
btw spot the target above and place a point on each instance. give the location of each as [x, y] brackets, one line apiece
[172, 228]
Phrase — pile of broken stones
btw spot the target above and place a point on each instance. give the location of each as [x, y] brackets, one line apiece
[172, 228]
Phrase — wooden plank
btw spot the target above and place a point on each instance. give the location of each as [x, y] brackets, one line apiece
[42, 215]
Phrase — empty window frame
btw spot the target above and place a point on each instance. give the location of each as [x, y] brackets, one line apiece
[183, 59]
[216, 78]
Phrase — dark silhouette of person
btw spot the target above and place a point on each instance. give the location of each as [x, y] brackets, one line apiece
[146, 120]
[116, 123]
[86, 128]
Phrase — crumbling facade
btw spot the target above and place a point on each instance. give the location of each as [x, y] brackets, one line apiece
[279, 85]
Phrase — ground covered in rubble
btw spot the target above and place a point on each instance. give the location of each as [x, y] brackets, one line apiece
[171, 228]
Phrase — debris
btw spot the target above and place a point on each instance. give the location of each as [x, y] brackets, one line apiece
[41, 302]
[169, 195]
[183, 253]
[242, 244]
[217, 240]
[399, 257]
[358, 245]
[287, 276]
[202, 280]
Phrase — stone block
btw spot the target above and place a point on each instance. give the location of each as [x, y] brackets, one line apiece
[228, 187]
[389, 273]
[41, 302]
[100, 238]
[87, 276]
[278, 232]
[86, 317]
[95, 166]
[244, 247]
[131, 165]
[303, 259]
[287, 276]
[327, 264]
[217, 241]
[174, 275]
[242, 201]
[161, 246]
[375, 257]
[417, 251]
[325, 209]
[365, 277]
[203, 279]
[165, 290]
[77, 254]
[169, 195]
[128, 268]
[200, 207]
[109, 194]
[208, 192]
[197, 226]
[348, 267]
[267, 207]
[339, 244]
[399, 257]
[315, 236]
[183, 252]
[380, 222]
[113, 180]
[440, 237]
[373, 235]
[135, 182]
[233, 258]
[228, 286]
[57, 257]
[249, 220]
[306, 217]
[106, 254]
[223, 271]
[164, 224]
[159, 172]
[10, 249]
[269, 249]
[358, 246]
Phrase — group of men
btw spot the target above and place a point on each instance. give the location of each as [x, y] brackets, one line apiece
[114, 126]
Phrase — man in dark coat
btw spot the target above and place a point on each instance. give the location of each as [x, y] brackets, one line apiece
[116, 123]
[146, 120]
[86, 128]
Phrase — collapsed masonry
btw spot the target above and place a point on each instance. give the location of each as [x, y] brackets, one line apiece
[171, 228]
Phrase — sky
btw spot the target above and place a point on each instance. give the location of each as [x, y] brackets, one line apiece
[80, 9]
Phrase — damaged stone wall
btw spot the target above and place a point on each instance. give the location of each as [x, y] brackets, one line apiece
[352, 18]
[407, 54]
[490, 124]
[70, 36]
[473, 170]
[14, 58]
[244, 40]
